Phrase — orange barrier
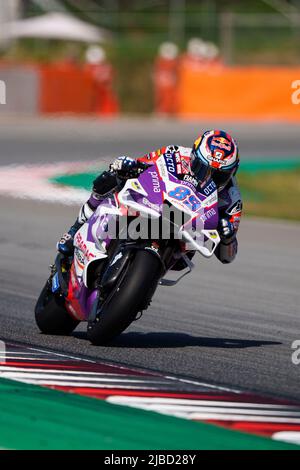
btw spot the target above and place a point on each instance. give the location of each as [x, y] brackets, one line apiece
[253, 93]
[67, 88]
[64, 89]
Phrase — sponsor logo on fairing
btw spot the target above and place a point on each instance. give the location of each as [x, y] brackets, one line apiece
[161, 167]
[185, 164]
[147, 203]
[79, 256]
[210, 188]
[155, 181]
[190, 179]
[136, 185]
[83, 247]
[170, 162]
[208, 215]
[211, 200]
[55, 283]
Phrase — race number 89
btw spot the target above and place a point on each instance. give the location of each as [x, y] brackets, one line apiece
[181, 194]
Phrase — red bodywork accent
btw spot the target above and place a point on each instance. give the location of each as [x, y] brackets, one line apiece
[72, 302]
[151, 157]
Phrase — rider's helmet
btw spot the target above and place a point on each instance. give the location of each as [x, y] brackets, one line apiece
[215, 155]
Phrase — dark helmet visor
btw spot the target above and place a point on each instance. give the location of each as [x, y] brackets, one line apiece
[204, 172]
[221, 178]
[201, 171]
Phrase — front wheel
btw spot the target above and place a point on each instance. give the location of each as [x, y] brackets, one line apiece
[51, 315]
[130, 297]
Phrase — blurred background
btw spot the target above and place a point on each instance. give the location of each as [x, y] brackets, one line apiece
[207, 63]
[141, 48]
[82, 82]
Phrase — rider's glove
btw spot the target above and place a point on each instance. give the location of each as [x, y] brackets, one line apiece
[226, 229]
[124, 167]
[66, 244]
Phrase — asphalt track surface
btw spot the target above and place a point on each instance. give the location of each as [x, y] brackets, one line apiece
[35, 140]
[228, 325]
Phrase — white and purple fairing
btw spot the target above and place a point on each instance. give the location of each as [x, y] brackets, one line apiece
[145, 195]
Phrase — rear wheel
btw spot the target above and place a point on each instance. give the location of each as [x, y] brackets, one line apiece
[51, 315]
[130, 297]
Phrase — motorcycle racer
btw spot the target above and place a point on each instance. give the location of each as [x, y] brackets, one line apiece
[214, 155]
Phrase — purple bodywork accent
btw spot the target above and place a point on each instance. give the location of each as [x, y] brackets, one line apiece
[154, 186]
[90, 299]
[80, 298]
[150, 179]
[94, 201]
[208, 215]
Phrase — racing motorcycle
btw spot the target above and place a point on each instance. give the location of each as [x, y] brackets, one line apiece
[112, 277]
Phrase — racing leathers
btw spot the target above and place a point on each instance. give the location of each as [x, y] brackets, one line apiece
[178, 161]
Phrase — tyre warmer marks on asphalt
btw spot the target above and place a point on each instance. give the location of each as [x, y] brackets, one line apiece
[192, 400]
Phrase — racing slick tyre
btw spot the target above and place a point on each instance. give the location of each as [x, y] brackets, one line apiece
[51, 316]
[132, 295]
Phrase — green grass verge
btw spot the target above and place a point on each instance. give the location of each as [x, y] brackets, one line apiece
[271, 194]
[33, 417]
